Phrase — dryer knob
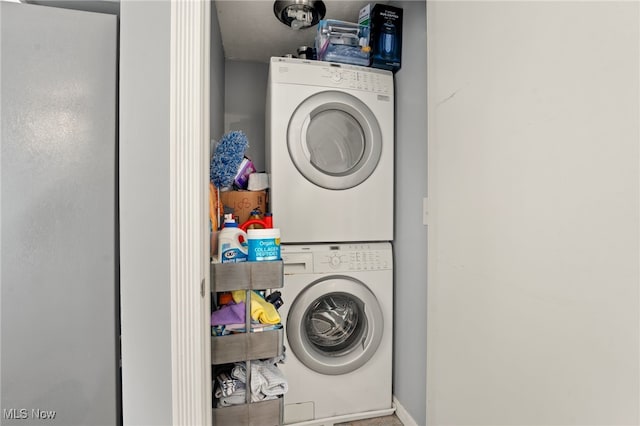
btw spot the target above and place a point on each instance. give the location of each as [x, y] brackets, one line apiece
[335, 261]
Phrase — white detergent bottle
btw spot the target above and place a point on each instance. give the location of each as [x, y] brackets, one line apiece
[232, 242]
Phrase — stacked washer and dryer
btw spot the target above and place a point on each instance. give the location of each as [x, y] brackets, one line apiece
[330, 159]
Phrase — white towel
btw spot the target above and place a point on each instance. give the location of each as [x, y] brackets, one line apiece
[266, 379]
[270, 380]
[233, 399]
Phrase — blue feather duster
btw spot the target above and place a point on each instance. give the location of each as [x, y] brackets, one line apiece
[227, 158]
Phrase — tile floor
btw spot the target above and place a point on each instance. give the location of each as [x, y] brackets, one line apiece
[376, 421]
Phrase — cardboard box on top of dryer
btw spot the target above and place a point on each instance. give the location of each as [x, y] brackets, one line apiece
[241, 203]
[385, 35]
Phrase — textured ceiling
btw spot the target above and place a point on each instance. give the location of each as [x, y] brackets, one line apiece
[251, 32]
[249, 29]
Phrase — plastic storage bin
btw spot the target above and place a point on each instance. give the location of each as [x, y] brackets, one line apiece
[341, 41]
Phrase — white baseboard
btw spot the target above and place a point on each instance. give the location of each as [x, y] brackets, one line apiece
[403, 414]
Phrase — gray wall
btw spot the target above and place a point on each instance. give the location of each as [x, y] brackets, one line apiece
[244, 106]
[410, 242]
[534, 175]
[217, 78]
[144, 212]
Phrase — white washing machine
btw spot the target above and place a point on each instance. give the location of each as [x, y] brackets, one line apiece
[330, 151]
[338, 322]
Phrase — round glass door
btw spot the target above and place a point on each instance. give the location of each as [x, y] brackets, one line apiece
[334, 140]
[335, 325]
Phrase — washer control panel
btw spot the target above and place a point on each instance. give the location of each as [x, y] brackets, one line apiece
[344, 257]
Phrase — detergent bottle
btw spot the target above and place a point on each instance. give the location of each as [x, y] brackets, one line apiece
[232, 242]
[257, 215]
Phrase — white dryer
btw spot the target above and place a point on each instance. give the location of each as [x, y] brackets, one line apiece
[338, 322]
[330, 151]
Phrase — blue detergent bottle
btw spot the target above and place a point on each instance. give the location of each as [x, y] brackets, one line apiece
[232, 242]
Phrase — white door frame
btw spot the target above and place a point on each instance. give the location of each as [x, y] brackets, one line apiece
[189, 192]
[163, 200]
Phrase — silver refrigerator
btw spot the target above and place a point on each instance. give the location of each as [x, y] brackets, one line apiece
[59, 353]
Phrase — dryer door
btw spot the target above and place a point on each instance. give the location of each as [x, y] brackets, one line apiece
[334, 140]
[335, 325]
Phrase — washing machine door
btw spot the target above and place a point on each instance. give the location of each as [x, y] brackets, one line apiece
[335, 325]
[334, 140]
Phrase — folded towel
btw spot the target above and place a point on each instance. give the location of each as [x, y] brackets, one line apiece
[227, 385]
[238, 372]
[270, 381]
[261, 310]
[240, 397]
[229, 314]
[266, 379]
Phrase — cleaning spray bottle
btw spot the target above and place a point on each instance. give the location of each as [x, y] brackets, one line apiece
[232, 242]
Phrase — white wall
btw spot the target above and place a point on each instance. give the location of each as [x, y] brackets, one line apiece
[533, 302]
[410, 242]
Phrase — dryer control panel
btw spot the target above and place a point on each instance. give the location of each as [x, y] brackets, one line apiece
[352, 79]
[332, 258]
[328, 74]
